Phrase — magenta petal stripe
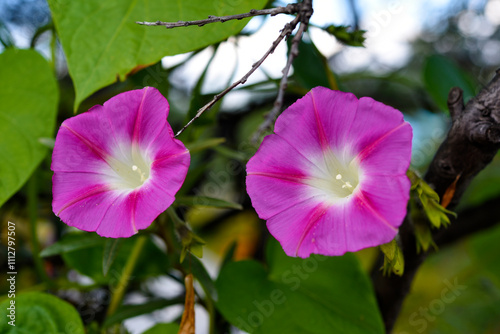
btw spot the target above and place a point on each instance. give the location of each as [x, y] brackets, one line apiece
[117, 166]
[332, 179]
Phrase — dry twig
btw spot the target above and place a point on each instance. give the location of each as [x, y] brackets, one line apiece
[303, 10]
[303, 16]
[289, 9]
[287, 30]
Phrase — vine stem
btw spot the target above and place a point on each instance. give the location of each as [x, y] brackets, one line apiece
[32, 196]
[126, 275]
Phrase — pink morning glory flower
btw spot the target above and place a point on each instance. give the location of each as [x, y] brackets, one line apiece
[117, 166]
[332, 179]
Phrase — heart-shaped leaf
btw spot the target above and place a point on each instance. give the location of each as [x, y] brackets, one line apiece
[28, 106]
[39, 313]
[102, 42]
[314, 295]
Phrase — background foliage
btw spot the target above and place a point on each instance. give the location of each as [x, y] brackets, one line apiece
[81, 53]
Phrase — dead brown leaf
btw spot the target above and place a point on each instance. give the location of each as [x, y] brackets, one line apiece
[187, 322]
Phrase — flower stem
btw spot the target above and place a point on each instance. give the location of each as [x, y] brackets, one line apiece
[32, 197]
[209, 305]
[125, 277]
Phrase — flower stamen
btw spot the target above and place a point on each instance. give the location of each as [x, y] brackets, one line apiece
[141, 173]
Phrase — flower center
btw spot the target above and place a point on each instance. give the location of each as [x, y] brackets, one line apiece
[143, 176]
[346, 185]
[132, 169]
[338, 180]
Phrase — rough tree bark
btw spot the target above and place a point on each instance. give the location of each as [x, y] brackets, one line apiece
[470, 145]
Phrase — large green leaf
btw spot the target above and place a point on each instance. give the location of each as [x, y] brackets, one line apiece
[315, 295]
[440, 74]
[102, 41]
[28, 105]
[39, 313]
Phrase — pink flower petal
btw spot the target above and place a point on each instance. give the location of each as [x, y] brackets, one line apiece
[388, 155]
[139, 114]
[75, 155]
[385, 193]
[308, 128]
[104, 212]
[365, 225]
[119, 219]
[372, 121]
[117, 167]
[333, 178]
[73, 187]
[313, 228]
[296, 228]
[276, 177]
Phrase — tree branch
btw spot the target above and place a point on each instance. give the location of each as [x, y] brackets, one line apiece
[289, 9]
[471, 144]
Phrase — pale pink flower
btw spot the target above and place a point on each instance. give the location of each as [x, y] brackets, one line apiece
[332, 179]
[117, 166]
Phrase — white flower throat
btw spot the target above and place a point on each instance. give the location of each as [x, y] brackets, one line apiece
[131, 170]
[337, 176]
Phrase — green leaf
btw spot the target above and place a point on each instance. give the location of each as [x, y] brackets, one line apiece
[347, 36]
[72, 242]
[440, 74]
[314, 295]
[429, 199]
[125, 312]
[28, 107]
[420, 221]
[88, 257]
[311, 68]
[207, 201]
[230, 153]
[103, 43]
[393, 258]
[163, 329]
[40, 313]
[109, 255]
[204, 144]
